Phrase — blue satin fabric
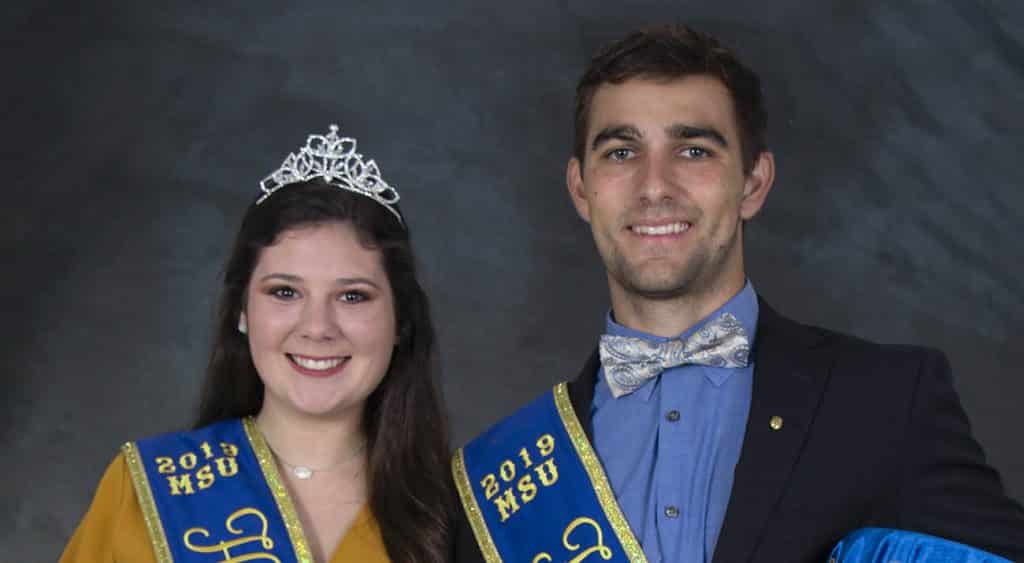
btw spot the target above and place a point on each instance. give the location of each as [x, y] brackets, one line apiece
[881, 545]
[211, 496]
[533, 492]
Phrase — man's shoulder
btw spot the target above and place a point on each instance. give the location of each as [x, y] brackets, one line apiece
[542, 406]
[853, 350]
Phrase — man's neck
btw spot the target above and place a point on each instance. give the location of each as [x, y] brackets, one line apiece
[670, 316]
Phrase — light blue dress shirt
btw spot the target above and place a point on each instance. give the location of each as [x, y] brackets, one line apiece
[670, 447]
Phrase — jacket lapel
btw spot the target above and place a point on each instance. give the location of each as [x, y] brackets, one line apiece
[790, 372]
[581, 393]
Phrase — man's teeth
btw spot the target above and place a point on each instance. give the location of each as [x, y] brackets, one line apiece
[670, 229]
[310, 363]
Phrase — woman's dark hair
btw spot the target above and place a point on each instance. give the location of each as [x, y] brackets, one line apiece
[406, 429]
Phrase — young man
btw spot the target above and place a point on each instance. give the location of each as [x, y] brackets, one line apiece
[707, 427]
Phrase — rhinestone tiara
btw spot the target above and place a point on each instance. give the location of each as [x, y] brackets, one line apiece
[334, 159]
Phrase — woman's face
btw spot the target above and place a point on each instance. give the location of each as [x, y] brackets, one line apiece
[321, 320]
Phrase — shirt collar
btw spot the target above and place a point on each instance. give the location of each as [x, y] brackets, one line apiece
[743, 306]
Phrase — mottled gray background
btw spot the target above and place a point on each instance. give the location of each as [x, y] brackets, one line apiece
[133, 136]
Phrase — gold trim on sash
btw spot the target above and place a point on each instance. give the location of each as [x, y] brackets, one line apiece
[280, 492]
[157, 537]
[472, 509]
[598, 479]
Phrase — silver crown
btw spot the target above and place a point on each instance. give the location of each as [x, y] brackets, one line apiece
[335, 160]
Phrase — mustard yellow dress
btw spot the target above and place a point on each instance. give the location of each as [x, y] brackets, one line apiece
[114, 531]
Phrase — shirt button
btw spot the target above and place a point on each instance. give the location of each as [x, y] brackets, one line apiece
[671, 511]
[672, 416]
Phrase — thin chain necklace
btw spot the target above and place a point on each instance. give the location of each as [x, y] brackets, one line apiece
[306, 472]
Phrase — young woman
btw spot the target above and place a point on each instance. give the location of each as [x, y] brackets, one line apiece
[320, 435]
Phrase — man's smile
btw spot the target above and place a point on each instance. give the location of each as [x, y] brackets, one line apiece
[661, 228]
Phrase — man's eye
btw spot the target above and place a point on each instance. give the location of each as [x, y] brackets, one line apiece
[353, 297]
[696, 152]
[620, 153]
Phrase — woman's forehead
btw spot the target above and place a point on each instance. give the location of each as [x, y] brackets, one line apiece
[323, 250]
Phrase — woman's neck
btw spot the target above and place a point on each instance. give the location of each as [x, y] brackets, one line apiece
[310, 441]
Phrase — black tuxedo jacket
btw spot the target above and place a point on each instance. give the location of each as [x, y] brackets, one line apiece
[872, 435]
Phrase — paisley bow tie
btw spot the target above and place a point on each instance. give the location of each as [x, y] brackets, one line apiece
[629, 362]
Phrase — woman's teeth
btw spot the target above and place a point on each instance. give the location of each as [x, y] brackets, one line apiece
[310, 363]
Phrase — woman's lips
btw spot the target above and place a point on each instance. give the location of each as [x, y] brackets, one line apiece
[317, 367]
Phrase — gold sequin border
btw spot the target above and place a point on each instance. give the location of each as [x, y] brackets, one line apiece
[472, 509]
[278, 489]
[598, 479]
[155, 527]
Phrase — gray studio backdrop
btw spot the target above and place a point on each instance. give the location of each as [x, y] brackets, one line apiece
[135, 135]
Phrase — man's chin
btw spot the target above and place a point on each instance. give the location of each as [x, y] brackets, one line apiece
[660, 293]
[659, 287]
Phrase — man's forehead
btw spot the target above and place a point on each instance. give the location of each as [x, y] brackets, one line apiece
[652, 106]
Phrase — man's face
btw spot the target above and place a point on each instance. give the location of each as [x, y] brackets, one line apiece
[663, 188]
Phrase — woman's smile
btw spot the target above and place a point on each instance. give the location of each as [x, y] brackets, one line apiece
[318, 367]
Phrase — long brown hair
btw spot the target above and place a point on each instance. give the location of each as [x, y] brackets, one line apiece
[406, 429]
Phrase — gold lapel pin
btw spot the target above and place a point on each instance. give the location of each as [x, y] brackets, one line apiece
[775, 423]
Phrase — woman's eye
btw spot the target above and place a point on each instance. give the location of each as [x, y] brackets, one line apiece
[353, 297]
[283, 292]
[620, 153]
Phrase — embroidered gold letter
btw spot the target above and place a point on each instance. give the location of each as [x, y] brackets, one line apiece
[164, 465]
[507, 504]
[525, 456]
[180, 483]
[527, 488]
[226, 466]
[546, 445]
[229, 450]
[507, 470]
[204, 477]
[549, 477]
[490, 485]
[600, 548]
[224, 547]
[187, 461]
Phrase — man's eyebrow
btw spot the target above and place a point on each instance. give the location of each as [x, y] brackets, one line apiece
[620, 132]
[680, 131]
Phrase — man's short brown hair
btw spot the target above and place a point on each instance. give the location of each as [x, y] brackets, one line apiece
[671, 52]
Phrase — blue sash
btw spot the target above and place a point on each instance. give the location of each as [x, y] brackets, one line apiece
[214, 495]
[872, 545]
[534, 491]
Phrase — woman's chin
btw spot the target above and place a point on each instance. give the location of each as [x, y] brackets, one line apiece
[316, 405]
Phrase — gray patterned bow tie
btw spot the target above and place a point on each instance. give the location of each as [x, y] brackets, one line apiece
[629, 362]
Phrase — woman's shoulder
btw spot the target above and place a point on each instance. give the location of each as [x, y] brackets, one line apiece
[113, 529]
[218, 429]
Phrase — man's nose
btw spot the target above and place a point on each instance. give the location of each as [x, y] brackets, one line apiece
[656, 181]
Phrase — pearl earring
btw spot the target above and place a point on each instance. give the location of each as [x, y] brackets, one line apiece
[243, 326]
